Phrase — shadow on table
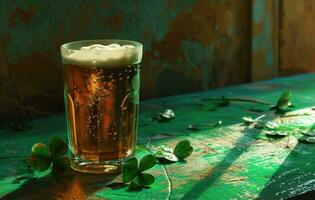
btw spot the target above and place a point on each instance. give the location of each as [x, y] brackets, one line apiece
[220, 169]
[306, 196]
[74, 185]
[295, 176]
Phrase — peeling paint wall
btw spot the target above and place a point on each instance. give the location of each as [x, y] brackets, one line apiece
[297, 41]
[264, 60]
[190, 45]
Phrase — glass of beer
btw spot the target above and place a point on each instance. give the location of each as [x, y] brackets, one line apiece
[101, 91]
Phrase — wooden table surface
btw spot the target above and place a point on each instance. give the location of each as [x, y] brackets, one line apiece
[231, 161]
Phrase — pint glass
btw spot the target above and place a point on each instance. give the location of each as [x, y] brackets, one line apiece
[101, 92]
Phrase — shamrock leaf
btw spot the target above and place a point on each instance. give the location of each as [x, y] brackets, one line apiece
[57, 147]
[43, 157]
[166, 154]
[276, 134]
[40, 158]
[147, 162]
[40, 150]
[144, 179]
[134, 173]
[284, 100]
[183, 149]
[283, 103]
[165, 116]
[130, 169]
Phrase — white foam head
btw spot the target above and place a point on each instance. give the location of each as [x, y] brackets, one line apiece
[101, 53]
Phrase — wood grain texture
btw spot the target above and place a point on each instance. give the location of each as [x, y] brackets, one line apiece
[231, 161]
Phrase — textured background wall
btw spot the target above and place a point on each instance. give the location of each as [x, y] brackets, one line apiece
[189, 45]
[297, 36]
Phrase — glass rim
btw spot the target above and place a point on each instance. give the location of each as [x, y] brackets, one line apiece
[71, 53]
[80, 43]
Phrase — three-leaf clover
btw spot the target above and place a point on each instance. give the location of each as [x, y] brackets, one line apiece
[134, 173]
[54, 155]
[182, 150]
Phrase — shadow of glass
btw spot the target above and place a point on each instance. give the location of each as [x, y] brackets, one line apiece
[73, 185]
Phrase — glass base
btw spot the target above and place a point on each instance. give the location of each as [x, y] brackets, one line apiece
[96, 167]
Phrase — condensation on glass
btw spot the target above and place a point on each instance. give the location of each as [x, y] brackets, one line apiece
[101, 91]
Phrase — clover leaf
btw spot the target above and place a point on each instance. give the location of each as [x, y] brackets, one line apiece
[182, 150]
[283, 103]
[147, 162]
[276, 134]
[284, 100]
[43, 157]
[165, 154]
[57, 147]
[40, 158]
[165, 116]
[130, 169]
[134, 173]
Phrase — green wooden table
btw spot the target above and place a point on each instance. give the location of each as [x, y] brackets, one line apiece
[230, 161]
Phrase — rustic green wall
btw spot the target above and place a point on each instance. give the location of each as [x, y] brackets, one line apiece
[189, 45]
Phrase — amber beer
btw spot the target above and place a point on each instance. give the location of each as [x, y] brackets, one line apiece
[101, 92]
